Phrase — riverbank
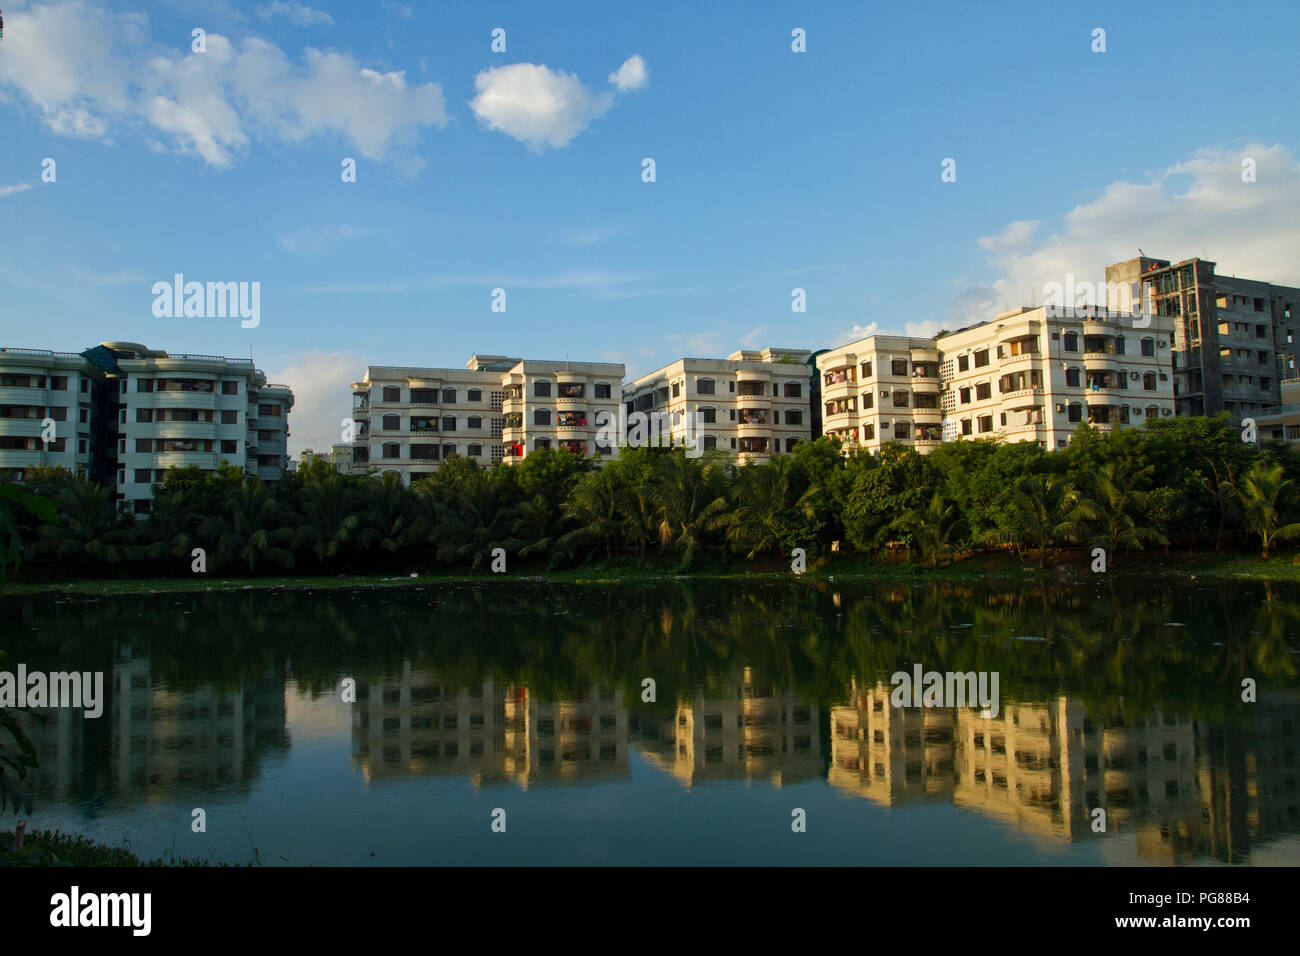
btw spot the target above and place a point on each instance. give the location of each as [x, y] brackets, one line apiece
[1006, 569]
[56, 848]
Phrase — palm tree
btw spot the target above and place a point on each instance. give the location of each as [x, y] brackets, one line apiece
[1120, 511]
[170, 524]
[594, 506]
[1045, 510]
[252, 529]
[327, 507]
[691, 504]
[389, 518]
[932, 527]
[770, 509]
[90, 530]
[1264, 495]
[474, 521]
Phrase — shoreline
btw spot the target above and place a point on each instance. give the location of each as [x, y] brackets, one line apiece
[999, 570]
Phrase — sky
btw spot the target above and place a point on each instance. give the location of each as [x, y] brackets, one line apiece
[523, 169]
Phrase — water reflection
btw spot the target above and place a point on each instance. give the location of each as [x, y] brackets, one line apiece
[1105, 703]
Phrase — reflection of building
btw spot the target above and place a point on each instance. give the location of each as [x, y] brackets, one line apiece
[1187, 789]
[158, 739]
[416, 724]
[754, 732]
[889, 754]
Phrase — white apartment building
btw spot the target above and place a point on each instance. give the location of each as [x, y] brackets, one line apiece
[752, 404]
[1031, 374]
[882, 388]
[408, 420]
[202, 410]
[560, 404]
[37, 387]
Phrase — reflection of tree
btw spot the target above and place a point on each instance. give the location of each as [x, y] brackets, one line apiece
[1101, 645]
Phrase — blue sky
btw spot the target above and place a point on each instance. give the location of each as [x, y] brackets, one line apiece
[775, 170]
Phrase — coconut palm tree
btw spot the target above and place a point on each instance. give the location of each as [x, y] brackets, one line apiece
[689, 493]
[594, 506]
[773, 508]
[328, 511]
[253, 529]
[473, 521]
[1265, 496]
[1045, 510]
[932, 527]
[90, 530]
[1120, 513]
[389, 516]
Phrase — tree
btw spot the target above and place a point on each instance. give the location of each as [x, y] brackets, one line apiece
[327, 500]
[252, 529]
[1265, 497]
[13, 502]
[1045, 510]
[690, 496]
[932, 528]
[1120, 513]
[594, 506]
[90, 530]
[773, 506]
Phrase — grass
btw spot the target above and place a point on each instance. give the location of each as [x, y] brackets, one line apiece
[991, 567]
[54, 847]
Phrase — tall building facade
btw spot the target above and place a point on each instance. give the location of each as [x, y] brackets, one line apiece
[123, 414]
[1028, 375]
[1234, 338]
[497, 409]
[752, 404]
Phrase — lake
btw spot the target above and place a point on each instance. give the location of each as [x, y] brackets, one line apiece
[511, 722]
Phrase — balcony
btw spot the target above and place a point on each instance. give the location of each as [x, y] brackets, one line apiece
[184, 430]
[23, 395]
[27, 427]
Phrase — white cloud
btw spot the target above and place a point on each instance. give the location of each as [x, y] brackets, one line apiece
[592, 281]
[632, 75]
[317, 239]
[322, 398]
[753, 338]
[1197, 207]
[858, 332]
[399, 10]
[16, 188]
[88, 73]
[297, 13]
[542, 107]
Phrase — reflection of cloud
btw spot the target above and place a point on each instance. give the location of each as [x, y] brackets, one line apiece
[1197, 207]
[88, 72]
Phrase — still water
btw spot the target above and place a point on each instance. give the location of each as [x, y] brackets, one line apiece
[770, 698]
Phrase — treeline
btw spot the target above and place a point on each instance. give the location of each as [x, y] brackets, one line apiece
[1190, 483]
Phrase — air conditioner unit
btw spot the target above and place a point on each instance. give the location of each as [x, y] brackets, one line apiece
[1167, 413]
[1133, 376]
[1060, 406]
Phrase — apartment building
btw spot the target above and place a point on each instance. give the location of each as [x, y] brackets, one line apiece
[123, 413]
[752, 404]
[39, 389]
[408, 420]
[201, 410]
[879, 389]
[1034, 374]
[1234, 338]
[1282, 423]
[561, 404]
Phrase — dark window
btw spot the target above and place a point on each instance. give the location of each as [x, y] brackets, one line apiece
[449, 396]
[602, 390]
[542, 389]
[474, 422]
[391, 423]
[392, 393]
[541, 416]
[704, 386]
[229, 388]
[474, 395]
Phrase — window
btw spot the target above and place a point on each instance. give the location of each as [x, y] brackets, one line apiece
[229, 388]
[793, 390]
[898, 367]
[475, 422]
[902, 430]
[1071, 378]
[866, 370]
[983, 390]
[966, 426]
[793, 417]
[271, 410]
[143, 476]
[143, 445]
[449, 396]
[392, 450]
[1071, 342]
[868, 400]
[141, 415]
[1259, 305]
[391, 423]
[963, 363]
[541, 416]
[474, 395]
[710, 442]
[144, 385]
[1148, 380]
[392, 393]
[85, 385]
[474, 451]
[1148, 347]
[704, 386]
[542, 389]
[59, 383]
[963, 395]
[230, 418]
[708, 416]
[602, 390]
[677, 389]
[60, 414]
[985, 423]
[900, 398]
[449, 423]
[229, 447]
[1074, 412]
[1293, 431]
[868, 432]
[981, 358]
